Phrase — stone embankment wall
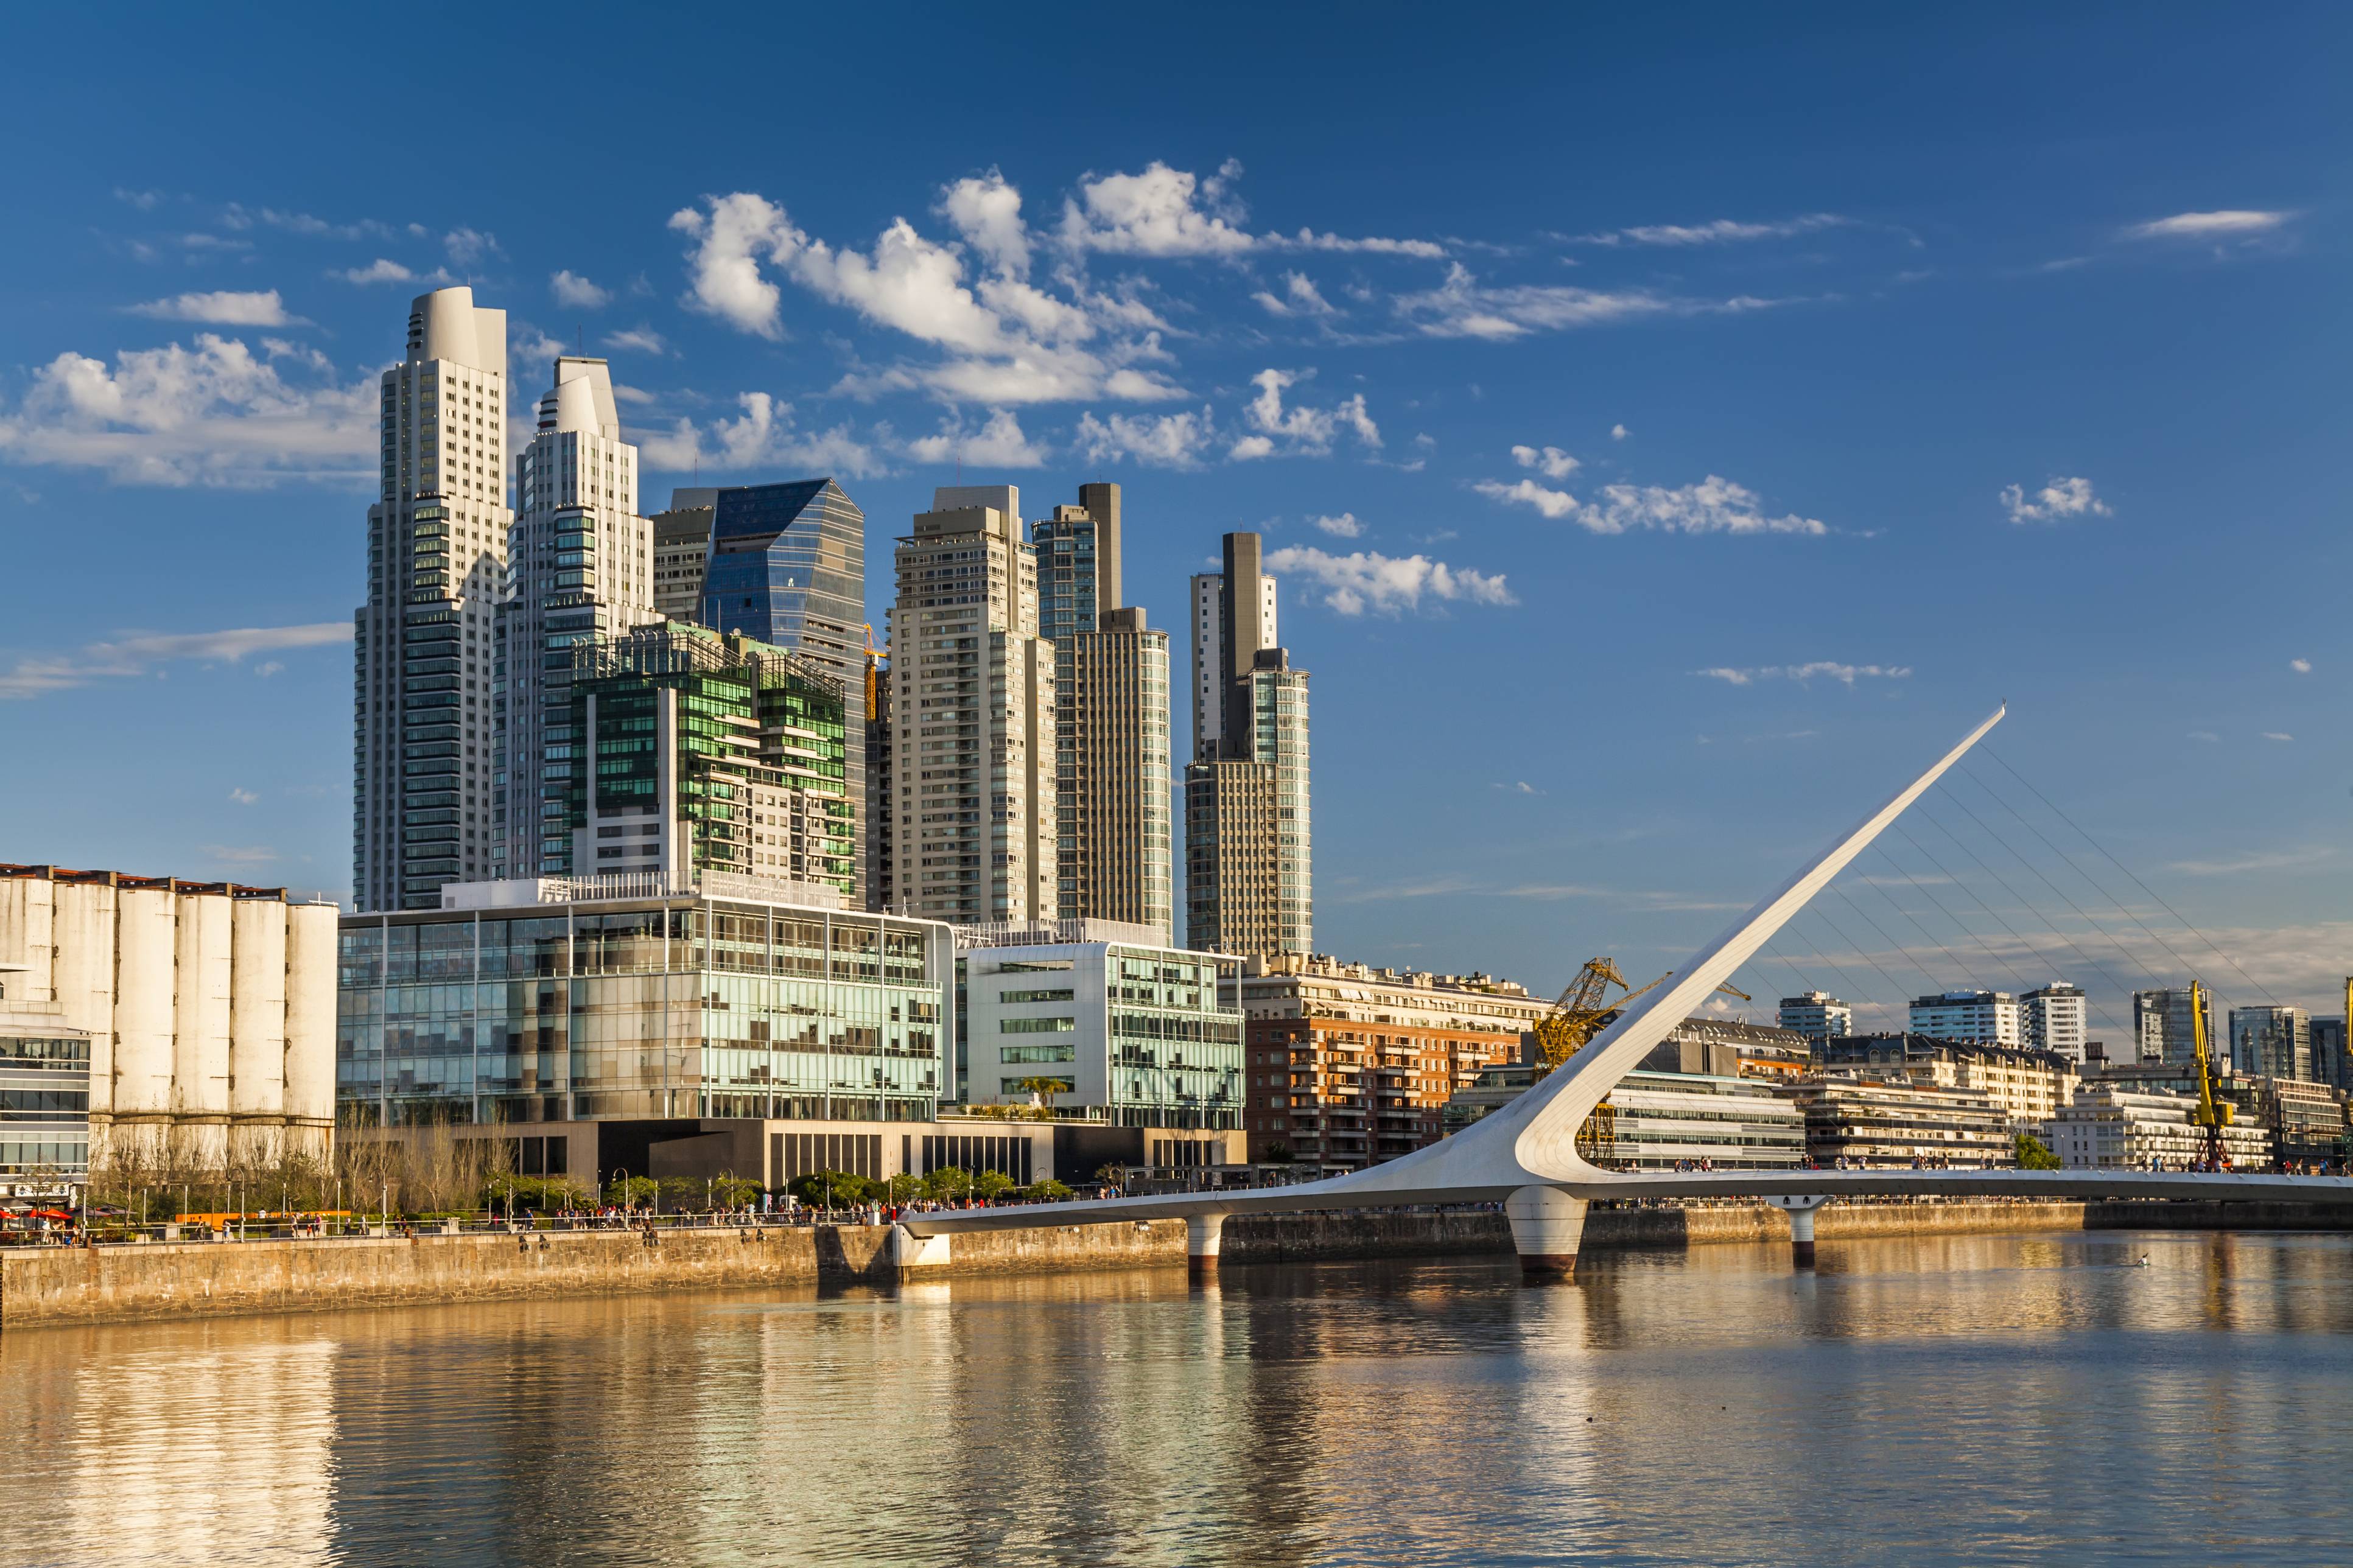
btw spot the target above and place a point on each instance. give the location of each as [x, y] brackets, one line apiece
[61, 1285]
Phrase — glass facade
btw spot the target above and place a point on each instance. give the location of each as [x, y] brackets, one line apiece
[676, 1007]
[1175, 1059]
[789, 567]
[44, 1113]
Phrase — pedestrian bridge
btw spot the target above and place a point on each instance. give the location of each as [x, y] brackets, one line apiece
[1525, 1156]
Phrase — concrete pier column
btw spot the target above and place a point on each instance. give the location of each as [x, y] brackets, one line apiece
[1547, 1225]
[1205, 1234]
[918, 1257]
[1800, 1209]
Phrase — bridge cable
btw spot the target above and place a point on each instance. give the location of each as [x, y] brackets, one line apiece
[2186, 967]
[1959, 968]
[2025, 903]
[1845, 980]
[2132, 964]
[1858, 950]
[1948, 914]
[1898, 947]
[2137, 882]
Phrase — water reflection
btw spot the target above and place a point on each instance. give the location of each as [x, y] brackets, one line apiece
[1965, 1399]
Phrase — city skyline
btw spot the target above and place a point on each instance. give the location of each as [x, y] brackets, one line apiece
[1683, 444]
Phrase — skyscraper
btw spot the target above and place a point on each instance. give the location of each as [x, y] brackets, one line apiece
[681, 551]
[1817, 1014]
[1248, 830]
[1218, 636]
[579, 566]
[972, 713]
[787, 568]
[422, 724]
[1111, 722]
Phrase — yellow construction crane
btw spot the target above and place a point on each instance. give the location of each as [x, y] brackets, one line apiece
[2213, 1113]
[1584, 1010]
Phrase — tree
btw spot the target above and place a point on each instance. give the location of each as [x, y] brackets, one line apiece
[1278, 1153]
[2033, 1155]
[1112, 1175]
[734, 1192]
[634, 1190]
[992, 1183]
[948, 1184]
[1048, 1191]
[906, 1187]
[829, 1189]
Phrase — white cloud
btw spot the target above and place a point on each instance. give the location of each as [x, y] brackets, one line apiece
[2226, 223]
[1527, 492]
[268, 667]
[1721, 231]
[242, 797]
[2059, 499]
[1158, 441]
[1299, 431]
[466, 245]
[2277, 735]
[137, 655]
[1386, 584]
[1461, 308]
[2301, 666]
[223, 306]
[1519, 787]
[1302, 298]
[577, 293]
[240, 855]
[999, 444]
[1160, 212]
[641, 338]
[1616, 432]
[380, 271]
[2207, 736]
[1715, 505]
[986, 211]
[1308, 239]
[734, 238]
[1554, 463]
[763, 434]
[215, 413]
[1008, 341]
[2257, 860]
[1820, 669]
[1344, 526]
[146, 201]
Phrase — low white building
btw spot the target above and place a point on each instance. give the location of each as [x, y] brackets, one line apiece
[1817, 1014]
[2107, 1128]
[209, 1006]
[1098, 1019]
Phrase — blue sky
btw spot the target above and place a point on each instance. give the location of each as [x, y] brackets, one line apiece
[1669, 428]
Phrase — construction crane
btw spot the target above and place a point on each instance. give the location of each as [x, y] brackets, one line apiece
[874, 657]
[2213, 1113]
[1584, 1010]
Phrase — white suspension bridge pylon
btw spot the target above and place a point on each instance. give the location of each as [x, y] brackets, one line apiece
[1524, 1155]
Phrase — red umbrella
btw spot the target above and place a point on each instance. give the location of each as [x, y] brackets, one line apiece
[51, 1214]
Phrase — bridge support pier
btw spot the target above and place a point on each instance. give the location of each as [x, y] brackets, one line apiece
[1204, 1234]
[1547, 1225]
[916, 1256]
[1800, 1209]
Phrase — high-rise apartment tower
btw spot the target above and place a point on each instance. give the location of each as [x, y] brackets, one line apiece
[579, 567]
[423, 729]
[972, 715]
[1110, 723]
[1248, 830]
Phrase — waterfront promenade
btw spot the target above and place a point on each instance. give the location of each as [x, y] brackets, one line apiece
[46, 1286]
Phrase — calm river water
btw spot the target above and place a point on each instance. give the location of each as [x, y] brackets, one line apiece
[1972, 1400]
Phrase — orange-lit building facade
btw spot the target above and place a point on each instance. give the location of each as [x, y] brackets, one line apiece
[1348, 1066]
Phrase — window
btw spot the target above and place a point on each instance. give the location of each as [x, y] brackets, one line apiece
[1035, 996]
[1036, 1025]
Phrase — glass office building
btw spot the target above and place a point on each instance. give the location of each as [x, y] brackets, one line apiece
[44, 1108]
[676, 1006]
[789, 567]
